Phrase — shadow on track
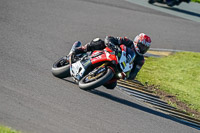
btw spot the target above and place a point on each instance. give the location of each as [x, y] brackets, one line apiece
[142, 108]
[137, 106]
[70, 81]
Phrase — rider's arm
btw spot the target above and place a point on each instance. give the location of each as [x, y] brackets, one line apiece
[118, 41]
[110, 40]
[126, 41]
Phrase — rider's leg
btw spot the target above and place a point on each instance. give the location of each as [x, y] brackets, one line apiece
[96, 44]
[82, 49]
[74, 46]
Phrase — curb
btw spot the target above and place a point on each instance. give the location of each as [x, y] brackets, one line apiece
[157, 52]
[141, 93]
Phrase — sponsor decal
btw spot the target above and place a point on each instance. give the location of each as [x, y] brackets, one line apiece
[124, 64]
[86, 63]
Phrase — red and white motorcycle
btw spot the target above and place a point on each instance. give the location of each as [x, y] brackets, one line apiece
[91, 70]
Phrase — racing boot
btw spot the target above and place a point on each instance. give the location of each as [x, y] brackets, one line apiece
[75, 46]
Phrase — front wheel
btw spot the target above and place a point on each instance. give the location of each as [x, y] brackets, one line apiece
[96, 78]
[61, 68]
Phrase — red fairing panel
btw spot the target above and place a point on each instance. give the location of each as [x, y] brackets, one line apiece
[107, 49]
[103, 57]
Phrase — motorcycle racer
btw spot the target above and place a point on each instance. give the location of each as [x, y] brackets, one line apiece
[169, 2]
[140, 45]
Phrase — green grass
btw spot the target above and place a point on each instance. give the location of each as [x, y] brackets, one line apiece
[196, 1]
[4, 129]
[177, 74]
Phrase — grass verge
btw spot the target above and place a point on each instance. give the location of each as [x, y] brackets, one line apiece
[4, 129]
[196, 1]
[177, 74]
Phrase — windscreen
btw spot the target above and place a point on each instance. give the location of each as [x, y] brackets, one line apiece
[130, 55]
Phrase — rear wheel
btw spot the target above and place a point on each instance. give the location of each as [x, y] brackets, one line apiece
[61, 68]
[96, 78]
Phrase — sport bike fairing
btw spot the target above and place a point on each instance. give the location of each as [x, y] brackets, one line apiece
[77, 70]
[125, 61]
[101, 56]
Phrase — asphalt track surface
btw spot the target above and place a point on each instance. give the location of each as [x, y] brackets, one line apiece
[189, 11]
[35, 33]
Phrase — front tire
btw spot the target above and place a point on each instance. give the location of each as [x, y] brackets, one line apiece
[61, 68]
[97, 81]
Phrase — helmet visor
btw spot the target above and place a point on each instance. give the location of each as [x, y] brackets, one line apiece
[143, 48]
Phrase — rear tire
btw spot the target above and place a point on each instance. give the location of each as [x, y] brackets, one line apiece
[108, 75]
[61, 71]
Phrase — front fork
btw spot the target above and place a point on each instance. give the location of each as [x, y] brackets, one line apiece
[118, 75]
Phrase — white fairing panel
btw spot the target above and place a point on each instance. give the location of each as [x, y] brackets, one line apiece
[124, 63]
[77, 70]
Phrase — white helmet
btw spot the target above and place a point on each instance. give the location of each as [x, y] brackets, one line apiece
[142, 43]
